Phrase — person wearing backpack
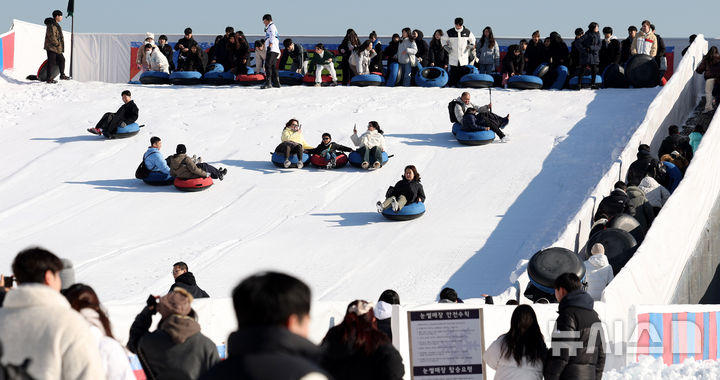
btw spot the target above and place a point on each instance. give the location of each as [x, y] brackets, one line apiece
[153, 159]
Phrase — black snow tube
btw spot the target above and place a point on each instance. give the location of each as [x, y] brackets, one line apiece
[627, 222]
[619, 246]
[642, 71]
[541, 70]
[155, 77]
[614, 77]
[43, 72]
[185, 78]
[546, 265]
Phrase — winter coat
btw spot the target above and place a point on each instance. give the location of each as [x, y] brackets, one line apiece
[513, 64]
[369, 140]
[576, 314]
[535, 55]
[183, 167]
[177, 345]
[296, 137]
[676, 142]
[344, 362]
[575, 49]
[625, 49]
[128, 112]
[591, 43]
[268, 353]
[412, 190]
[460, 108]
[194, 61]
[141, 57]
[375, 64]
[114, 358]
[423, 49]
[155, 162]
[167, 51]
[187, 282]
[695, 138]
[271, 37]
[330, 147]
[54, 40]
[458, 44]
[361, 61]
[506, 368]
[609, 52]
[645, 165]
[639, 207]
[318, 59]
[437, 54]
[489, 55]
[383, 316]
[598, 274]
[674, 175]
[186, 43]
[614, 204]
[36, 322]
[709, 67]
[644, 44]
[655, 193]
[299, 55]
[660, 49]
[559, 54]
[157, 61]
[406, 51]
[471, 123]
[390, 52]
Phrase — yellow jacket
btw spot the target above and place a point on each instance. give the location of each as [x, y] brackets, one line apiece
[290, 135]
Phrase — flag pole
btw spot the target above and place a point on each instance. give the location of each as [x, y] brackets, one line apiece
[72, 43]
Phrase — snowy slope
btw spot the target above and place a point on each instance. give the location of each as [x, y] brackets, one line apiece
[488, 206]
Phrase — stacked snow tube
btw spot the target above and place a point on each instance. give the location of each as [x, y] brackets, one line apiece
[472, 138]
[547, 265]
[309, 80]
[642, 71]
[155, 77]
[541, 70]
[278, 160]
[320, 161]
[525, 82]
[409, 212]
[619, 245]
[250, 79]
[367, 80]
[290, 78]
[42, 73]
[393, 75]
[127, 131]
[586, 80]
[356, 159]
[218, 78]
[562, 74]
[614, 77]
[431, 77]
[159, 179]
[185, 77]
[475, 80]
[193, 184]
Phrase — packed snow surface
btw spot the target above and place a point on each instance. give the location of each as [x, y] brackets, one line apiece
[649, 368]
[488, 206]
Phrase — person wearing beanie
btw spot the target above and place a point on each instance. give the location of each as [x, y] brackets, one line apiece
[177, 344]
[141, 59]
[329, 150]
[110, 122]
[67, 274]
[645, 165]
[383, 311]
[598, 272]
[184, 167]
[55, 46]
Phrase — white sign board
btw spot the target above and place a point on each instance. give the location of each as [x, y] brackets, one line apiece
[446, 344]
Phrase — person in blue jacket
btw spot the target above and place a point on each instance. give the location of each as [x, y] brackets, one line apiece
[153, 159]
[472, 121]
[674, 174]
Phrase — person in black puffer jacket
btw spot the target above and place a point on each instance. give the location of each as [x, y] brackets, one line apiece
[186, 280]
[676, 142]
[437, 55]
[571, 356]
[590, 44]
[407, 190]
[356, 349]
[614, 204]
[645, 165]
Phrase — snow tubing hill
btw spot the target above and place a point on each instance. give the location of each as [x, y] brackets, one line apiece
[42, 73]
[541, 70]
[431, 77]
[290, 78]
[278, 159]
[367, 80]
[393, 75]
[309, 80]
[475, 80]
[614, 77]
[586, 79]
[155, 77]
[356, 159]
[194, 184]
[127, 131]
[642, 71]
[250, 79]
[619, 246]
[525, 82]
[185, 78]
[472, 138]
[409, 212]
[159, 179]
[218, 78]
[546, 265]
[562, 74]
[320, 162]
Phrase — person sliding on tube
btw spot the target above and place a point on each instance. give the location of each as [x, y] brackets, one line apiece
[329, 150]
[407, 190]
[109, 123]
[371, 143]
[184, 167]
[484, 115]
[293, 142]
[473, 121]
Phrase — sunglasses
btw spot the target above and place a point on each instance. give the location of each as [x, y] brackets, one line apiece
[326, 138]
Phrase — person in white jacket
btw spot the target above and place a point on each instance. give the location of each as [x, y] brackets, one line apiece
[371, 143]
[156, 61]
[518, 354]
[655, 193]
[598, 272]
[458, 42]
[406, 56]
[37, 323]
[140, 59]
[272, 47]
[361, 57]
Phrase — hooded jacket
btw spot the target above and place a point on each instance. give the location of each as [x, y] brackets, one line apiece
[511, 63]
[609, 52]
[613, 204]
[54, 40]
[591, 42]
[361, 61]
[655, 193]
[645, 165]
[676, 142]
[598, 274]
[155, 162]
[412, 190]
[489, 55]
[423, 49]
[576, 317]
[183, 167]
[458, 45]
[506, 368]
[369, 140]
[157, 61]
[709, 67]
[187, 282]
[639, 207]
[437, 55]
[268, 353]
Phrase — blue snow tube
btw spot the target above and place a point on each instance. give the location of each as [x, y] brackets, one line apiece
[185, 77]
[409, 212]
[155, 77]
[290, 78]
[366, 80]
[586, 79]
[525, 82]
[356, 159]
[219, 78]
[251, 71]
[431, 76]
[278, 159]
[393, 75]
[475, 80]
[541, 70]
[562, 74]
[217, 67]
[127, 131]
[159, 179]
[472, 138]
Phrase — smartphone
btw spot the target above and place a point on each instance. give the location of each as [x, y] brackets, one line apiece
[9, 281]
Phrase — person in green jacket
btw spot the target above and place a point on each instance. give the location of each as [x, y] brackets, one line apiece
[323, 59]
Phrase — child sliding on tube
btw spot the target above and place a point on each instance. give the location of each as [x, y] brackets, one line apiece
[371, 143]
[329, 150]
[407, 190]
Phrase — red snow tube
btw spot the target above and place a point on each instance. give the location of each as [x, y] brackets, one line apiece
[250, 79]
[309, 80]
[193, 184]
[320, 162]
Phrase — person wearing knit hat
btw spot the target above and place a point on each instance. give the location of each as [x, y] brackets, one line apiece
[184, 167]
[67, 274]
[177, 344]
[598, 272]
[140, 59]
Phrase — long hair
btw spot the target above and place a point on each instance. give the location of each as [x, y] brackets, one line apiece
[434, 41]
[351, 36]
[377, 127]
[362, 46]
[290, 122]
[408, 32]
[712, 55]
[524, 339]
[416, 175]
[360, 330]
[490, 38]
[82, 296]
